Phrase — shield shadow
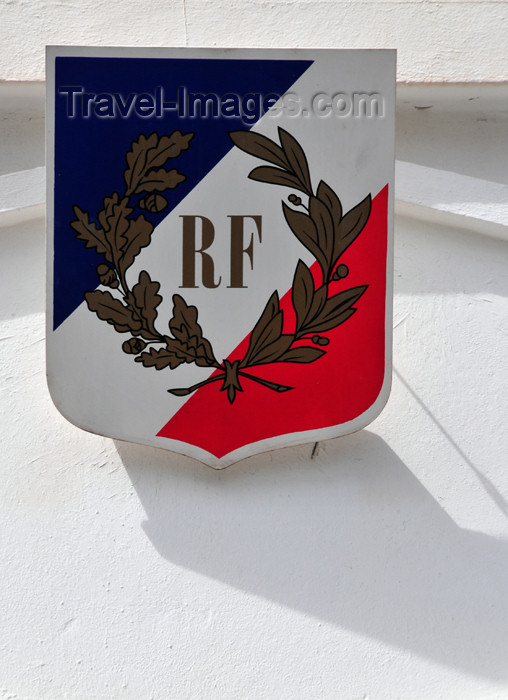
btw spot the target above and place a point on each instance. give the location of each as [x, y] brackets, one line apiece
[347, 535]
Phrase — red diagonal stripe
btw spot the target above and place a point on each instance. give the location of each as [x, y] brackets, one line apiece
[335, 389]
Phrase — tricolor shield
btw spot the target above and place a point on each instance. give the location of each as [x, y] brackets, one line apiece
[219, 244]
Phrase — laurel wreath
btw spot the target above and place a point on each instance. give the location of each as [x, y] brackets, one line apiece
[119, 236]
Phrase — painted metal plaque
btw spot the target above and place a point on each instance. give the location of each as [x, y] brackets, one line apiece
[219, 244]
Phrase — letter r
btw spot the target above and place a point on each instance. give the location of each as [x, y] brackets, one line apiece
[190, 250]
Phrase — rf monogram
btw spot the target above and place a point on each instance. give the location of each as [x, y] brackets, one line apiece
[243, 231]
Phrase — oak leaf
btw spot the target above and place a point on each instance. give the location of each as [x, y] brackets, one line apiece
[186, 329]
[146, 299]
[109, 308]
[93, 236]
[160, 180]
[137, 236]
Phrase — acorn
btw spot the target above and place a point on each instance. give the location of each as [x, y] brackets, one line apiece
[154, 203]
[133, 346]
[107, 276]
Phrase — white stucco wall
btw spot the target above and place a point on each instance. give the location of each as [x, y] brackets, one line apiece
[437, 40]
[376, 570]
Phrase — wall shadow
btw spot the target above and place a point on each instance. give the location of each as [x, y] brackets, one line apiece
[350, 537]
[432, 259]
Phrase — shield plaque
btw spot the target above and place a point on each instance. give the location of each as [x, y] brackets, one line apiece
[219, 244]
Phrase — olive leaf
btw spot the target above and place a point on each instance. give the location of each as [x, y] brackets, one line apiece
[336, 310]
[322, 220]
[267, 342]
[275, 176]
[305, 230]
[317, 305]
[259, 146]
[331, 201]
[345, 298]
[351, 226]
[296, 159]
[267, 329]
[302, 292]
[271, 352]
[293, 170]
[93, 236]
[322, 325]
[303, 354]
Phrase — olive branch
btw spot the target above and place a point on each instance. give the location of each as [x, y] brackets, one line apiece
[321, 227]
